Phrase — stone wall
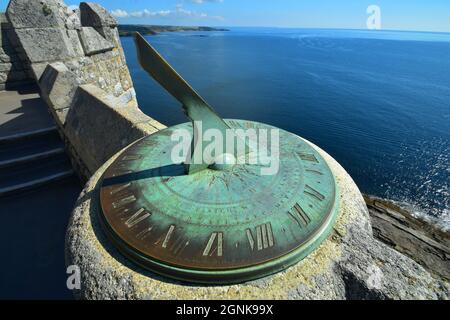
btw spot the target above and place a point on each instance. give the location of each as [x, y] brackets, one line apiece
[86, 40]
[97, 127]
[14, 69]
[78, 61]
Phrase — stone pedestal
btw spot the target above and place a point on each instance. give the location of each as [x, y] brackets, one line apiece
[350, 264]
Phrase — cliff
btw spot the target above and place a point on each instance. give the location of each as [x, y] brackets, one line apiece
[414, 237]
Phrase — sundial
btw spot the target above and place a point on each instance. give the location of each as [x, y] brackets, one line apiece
[220, 219]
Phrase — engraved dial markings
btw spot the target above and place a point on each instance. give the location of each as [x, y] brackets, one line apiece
[124, 201]
[299, 215]
[144, 233]
[308, 157]
[209, 249]
[137, 217]
[264, 237]
[315, 171]
[131, 157]
[120, 188]
[314, 193]
[168, 235]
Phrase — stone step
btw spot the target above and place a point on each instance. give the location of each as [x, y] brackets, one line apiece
[26, 149]
[27, 134]
[16, 188]
[24, 175]
[31, 157]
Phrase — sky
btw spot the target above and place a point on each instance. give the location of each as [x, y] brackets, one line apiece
[417, 15]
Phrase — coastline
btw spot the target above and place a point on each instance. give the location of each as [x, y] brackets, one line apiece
[127, 30]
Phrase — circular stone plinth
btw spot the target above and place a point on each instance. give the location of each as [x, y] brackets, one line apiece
[348, 264]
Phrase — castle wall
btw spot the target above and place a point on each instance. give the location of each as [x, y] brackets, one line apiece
[14, 69]
[77, 59]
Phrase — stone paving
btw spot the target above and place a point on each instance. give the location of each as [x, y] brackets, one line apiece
[23, 111]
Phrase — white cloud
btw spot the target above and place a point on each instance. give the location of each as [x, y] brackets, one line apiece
[178, 12]
[118, 13]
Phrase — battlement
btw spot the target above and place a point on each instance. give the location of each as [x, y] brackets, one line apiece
[61, 50]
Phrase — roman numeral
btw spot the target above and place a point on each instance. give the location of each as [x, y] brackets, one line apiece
[314, 171]
[179, 245]
[124, 201]
[168, 235]
[308, 157]
[234, 124]
[144, 233]
[209, 249]
[131, 157]
[120, 188]
[264, 237]
[314, 193]
[299, 215]
[139, 216]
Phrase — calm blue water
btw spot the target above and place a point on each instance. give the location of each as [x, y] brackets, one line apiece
[378, 102]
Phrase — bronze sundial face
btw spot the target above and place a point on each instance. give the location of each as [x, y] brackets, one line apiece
[216, 224]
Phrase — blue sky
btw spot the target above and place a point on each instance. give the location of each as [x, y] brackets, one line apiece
[422, 15]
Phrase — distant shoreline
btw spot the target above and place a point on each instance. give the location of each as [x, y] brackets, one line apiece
[127, 30]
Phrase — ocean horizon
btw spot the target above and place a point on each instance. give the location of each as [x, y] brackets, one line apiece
[377, 101]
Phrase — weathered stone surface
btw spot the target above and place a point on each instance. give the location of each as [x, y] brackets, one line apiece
[418, 239]
[5, 67]
[36, 14]
[125, 78]
[61, 115]
[3, 77]
[98, 125]
[54, 44]
[4, 23]
[37, 69]
[73, 21]
[110, 34]
[349, 264]
[94, 15]
[93, 42]
[58, 85]
[4, 58]
[75, 42]
[3, 18]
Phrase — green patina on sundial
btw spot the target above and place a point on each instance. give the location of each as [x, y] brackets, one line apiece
[214, 224]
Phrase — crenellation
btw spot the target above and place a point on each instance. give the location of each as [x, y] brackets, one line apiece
[76, 58]
[36, 14]
[73, 21]
[93, 42]
[76, 47]
[94, 15]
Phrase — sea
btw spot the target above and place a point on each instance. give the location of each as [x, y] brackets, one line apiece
[377, 101]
